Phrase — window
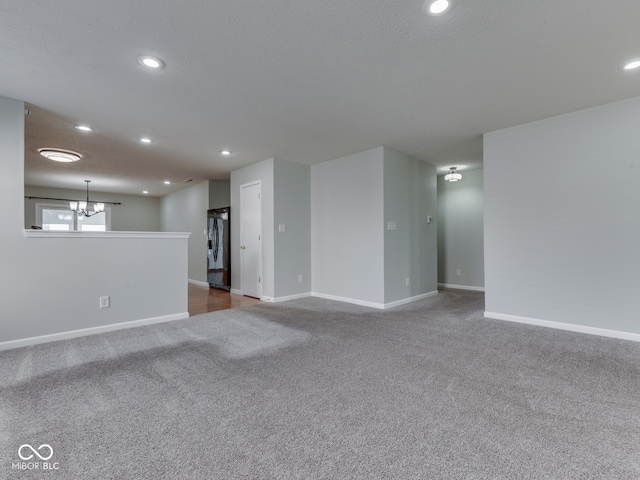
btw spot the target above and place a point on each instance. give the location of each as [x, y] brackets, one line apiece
[59, 217]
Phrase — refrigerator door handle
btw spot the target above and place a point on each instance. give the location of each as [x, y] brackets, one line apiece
[216, 236]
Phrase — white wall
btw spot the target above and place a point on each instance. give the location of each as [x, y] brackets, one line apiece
[186, 211]
[410, 251]
[347, 236]
[292, 248]
[136, 214]
[52, 285]
[285, 201]
[355, 257]
[562, 198]
[219, 194]
[461, 231]
[264, 172]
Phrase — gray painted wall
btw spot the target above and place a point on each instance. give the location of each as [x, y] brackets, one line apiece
[136, 214]
[561, 218]
[263, 171]
[292, 208]
[347, 237]
[461, 230]
[186, 211]
[410, 251]
[219, 194]
[52, 285]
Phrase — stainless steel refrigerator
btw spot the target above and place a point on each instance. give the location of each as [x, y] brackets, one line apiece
[218, 253]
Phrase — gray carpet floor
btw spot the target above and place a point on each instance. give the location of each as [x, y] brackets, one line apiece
[314, 389]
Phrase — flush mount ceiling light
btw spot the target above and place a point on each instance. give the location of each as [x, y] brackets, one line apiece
[225, 152]
[167, 182]
[151, 62]
[84, 128]
[632, 65]
[453, 175]
[438, 7]
[145, 192]
[59, 155]
[145, 140]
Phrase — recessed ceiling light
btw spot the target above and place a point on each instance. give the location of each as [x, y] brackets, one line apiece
[167, 182]
[84, 128]
[632, 65]
[151, 62]
[225, 152]
[438, 7]
[145, 140]
[59, 155]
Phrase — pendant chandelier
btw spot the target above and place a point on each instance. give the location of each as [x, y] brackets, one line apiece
[81, 208]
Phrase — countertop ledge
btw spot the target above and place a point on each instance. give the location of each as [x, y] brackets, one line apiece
[30, 233]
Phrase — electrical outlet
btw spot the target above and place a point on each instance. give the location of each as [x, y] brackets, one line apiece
[458, 272]
[105, 302]
[300, 279]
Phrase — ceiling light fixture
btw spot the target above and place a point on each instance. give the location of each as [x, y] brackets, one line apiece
[453, 175]
[81, 207]
[145, 192]
[632, 65]
[167, 182]
[438, 7]
[59, 155]
[226, 152]
[145, 140]
[151, 62]
[84, 128]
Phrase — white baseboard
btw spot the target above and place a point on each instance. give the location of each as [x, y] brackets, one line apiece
[286, 298]
[348, 300]
[379, 306]
[236, 291]
[290, 297]
[461, 287]
[198, 282]
[25, 342]
[404, 301]
[602, 332]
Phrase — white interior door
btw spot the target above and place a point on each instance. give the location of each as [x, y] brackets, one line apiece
[251, 239]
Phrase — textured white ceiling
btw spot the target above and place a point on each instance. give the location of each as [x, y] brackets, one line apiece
[304, 80]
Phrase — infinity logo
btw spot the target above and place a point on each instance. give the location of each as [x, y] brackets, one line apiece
[35, 452]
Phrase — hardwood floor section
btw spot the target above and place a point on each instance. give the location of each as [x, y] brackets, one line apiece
[205, 299]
